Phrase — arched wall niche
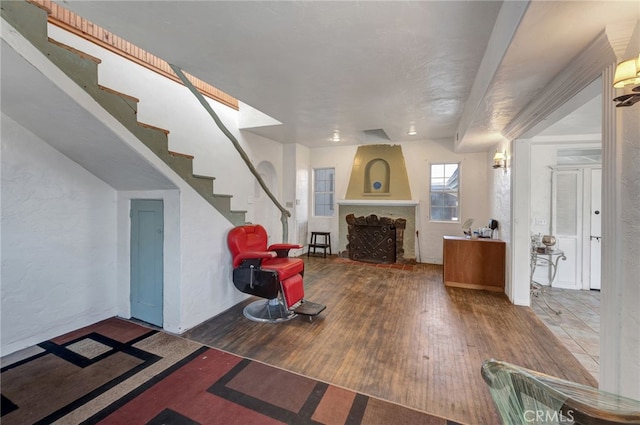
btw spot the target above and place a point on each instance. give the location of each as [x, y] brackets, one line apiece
[377, 177]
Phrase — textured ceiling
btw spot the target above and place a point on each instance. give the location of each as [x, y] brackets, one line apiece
[367, 68]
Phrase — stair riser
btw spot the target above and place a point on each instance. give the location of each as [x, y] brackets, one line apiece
[201, 185]
[121, 108]
[222, 202]
[29, 20]
[155, 140]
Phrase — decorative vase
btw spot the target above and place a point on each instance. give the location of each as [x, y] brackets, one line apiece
[549, 241]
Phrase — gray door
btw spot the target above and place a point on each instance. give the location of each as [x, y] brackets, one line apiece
[147, 229]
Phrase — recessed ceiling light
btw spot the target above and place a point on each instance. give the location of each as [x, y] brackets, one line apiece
[412, 130]
[336, 137]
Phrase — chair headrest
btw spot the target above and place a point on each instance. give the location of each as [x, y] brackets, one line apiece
[251, 237]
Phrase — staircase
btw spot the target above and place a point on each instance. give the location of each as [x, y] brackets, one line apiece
[31, 21]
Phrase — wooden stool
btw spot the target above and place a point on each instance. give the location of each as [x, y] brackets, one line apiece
[326, 243]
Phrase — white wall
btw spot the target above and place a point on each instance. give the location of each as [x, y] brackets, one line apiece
[418, 156]
[543, 157]
[499, 195]
[265, 151]
[519, 245]
[58, 242]
[302, 204]
[206, 288]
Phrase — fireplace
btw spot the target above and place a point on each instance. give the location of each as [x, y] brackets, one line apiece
[402, 214]
[374, 239]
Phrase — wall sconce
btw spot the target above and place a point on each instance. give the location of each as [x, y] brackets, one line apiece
[500, 160]
[627, 73]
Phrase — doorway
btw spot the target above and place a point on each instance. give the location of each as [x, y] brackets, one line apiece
[147, 265]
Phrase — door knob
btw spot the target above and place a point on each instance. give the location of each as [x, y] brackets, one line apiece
[596, 212]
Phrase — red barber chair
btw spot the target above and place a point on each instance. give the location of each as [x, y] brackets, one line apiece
[268, 272]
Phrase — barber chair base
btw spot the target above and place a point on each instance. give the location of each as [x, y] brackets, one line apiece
[274, 311]
[269, 311]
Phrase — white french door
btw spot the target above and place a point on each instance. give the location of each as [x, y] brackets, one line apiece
[595, 237]
[566, 226]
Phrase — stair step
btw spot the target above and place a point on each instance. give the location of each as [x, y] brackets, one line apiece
[123, 108]
[130, 98]
[183, 155]
[81, 70]
[153, 127]
[237, 217]
[74, 50]
[204, 185]
[156, 140]
[181, 164]
[222, 201]
[199, 176]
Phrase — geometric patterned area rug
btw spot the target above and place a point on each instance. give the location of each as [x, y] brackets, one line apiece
[118, 372]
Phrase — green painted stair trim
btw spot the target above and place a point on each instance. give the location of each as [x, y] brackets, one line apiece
[31, 22]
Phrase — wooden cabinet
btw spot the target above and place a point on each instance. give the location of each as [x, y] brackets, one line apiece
[474, 263]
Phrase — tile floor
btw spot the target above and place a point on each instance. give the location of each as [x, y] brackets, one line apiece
[577, 325]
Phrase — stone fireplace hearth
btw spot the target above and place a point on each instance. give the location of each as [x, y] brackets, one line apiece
[374, 239]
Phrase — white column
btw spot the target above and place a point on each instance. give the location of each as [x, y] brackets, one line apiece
[620, 302]
[520, 221]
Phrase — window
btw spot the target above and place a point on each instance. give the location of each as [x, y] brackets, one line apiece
[323, 187]
[445, 192]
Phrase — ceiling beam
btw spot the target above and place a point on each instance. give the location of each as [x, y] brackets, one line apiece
[581, 71]
[507, 23]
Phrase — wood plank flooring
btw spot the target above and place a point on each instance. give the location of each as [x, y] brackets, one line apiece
[401, 336]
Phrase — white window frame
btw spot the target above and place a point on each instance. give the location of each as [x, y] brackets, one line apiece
[332, 192]
[458, 191]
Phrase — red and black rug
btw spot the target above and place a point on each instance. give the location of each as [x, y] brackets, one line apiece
[118, 372]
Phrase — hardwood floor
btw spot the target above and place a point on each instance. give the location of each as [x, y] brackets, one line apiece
[401, 336]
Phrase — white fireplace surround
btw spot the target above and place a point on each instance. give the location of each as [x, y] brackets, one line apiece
[379, 202]
[382, 208]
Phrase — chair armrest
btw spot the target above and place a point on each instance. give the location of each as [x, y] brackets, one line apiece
[282, 249]
[278, 246]
[253, 255]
